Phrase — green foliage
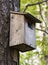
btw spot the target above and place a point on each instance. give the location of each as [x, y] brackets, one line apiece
[27, 58]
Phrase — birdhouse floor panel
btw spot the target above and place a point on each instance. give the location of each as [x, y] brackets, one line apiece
[23, 47]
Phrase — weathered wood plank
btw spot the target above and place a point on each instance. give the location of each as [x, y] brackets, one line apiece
[16, 30]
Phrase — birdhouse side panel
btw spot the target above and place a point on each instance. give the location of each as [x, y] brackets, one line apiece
[16, 29]
[30, 37]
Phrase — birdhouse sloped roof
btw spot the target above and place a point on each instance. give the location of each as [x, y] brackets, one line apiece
[28, 16]
[31, 18]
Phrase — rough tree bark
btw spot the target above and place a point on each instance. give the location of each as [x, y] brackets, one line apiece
[6, 53]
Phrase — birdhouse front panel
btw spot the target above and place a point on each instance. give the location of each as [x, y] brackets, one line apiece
[16, 29]
[22, 31]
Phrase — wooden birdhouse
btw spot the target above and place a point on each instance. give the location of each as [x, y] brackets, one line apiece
[22, 31]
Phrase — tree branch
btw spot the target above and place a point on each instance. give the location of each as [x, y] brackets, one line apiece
[34, 4]
[42, 30]
[40, 11]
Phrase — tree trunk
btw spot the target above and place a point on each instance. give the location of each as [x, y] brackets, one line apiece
[7, 53]
[46, 59]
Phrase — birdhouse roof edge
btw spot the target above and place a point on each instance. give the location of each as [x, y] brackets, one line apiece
[30, 17]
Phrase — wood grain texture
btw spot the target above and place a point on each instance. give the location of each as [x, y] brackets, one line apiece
[16, 29]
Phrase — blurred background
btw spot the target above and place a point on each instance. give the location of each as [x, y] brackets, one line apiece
[39, 56]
